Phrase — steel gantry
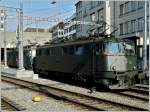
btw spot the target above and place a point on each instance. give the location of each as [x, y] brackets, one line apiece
[20, 34]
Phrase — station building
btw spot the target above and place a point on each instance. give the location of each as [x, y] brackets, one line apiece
[32, 38]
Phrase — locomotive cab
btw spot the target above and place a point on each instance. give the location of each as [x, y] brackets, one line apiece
[118, 67]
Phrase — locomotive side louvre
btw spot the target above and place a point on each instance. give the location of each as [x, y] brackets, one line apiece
[76, 57]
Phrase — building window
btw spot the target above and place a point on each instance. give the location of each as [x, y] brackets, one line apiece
[140, 4]
[100, 3]
[2, 19]
[127, 8]
[140, 24]
[85, 11]
[133, 26]
[121, 10]
[121, 29]
[2, 26]
[92, 17]
[126, 27]
[133, 5]
[79, 28]
[100, 14]
[79, 5]
[92, 4]
[80, 14]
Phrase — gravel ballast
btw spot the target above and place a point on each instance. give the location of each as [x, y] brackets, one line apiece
[25, 97]
[103, 95]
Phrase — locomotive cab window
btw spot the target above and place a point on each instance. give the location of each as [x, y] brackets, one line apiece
[39, 52]
[98, 49]
[68, 50]
[47, 52]
[79, 50]
[86, 49]
[65, 51]
[113, 48]
[71, 50]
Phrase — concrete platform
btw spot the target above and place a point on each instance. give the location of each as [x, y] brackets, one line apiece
[19, 73]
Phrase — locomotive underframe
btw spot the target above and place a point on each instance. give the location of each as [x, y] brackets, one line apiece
[121, 80]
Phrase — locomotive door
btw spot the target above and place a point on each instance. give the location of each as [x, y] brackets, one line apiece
[93, 60]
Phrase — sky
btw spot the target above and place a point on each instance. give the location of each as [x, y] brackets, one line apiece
[62, 9]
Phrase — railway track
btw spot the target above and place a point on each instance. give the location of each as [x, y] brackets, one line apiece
[140, 92]
[133, 94]
[144, 89]
[8, 105]
[89, 102]
[142, 86]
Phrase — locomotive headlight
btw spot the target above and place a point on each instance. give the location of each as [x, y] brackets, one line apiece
[134, 68]
[114, 67]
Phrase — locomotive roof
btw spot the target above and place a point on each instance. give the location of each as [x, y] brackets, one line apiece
[80, 42]
[16, 49]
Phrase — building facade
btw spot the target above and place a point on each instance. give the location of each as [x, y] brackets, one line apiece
[70, 27]
[127, 16]
[57, 30]
[29, 38]
[92, 14]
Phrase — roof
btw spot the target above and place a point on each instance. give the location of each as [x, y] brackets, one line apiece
[35, 30]
[76, 42]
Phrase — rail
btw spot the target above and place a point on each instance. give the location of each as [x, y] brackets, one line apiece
[91, 102]
[9, 105]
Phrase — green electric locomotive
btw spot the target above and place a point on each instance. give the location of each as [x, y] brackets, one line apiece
[104, 61]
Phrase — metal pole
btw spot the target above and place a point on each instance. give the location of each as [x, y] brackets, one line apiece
[0, 59]
[5, 42]
[36, 28]
[145, 40]
[0, 43]
[21, 65]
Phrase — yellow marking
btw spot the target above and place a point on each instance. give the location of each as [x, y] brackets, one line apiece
[36, 98]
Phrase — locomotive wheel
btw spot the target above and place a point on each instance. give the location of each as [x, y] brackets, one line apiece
[104, 84]
[90, 82]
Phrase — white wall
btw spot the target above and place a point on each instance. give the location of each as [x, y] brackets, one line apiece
[41, 38]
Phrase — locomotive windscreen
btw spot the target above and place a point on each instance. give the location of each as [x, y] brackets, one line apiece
[113, 48]
[119, 48]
